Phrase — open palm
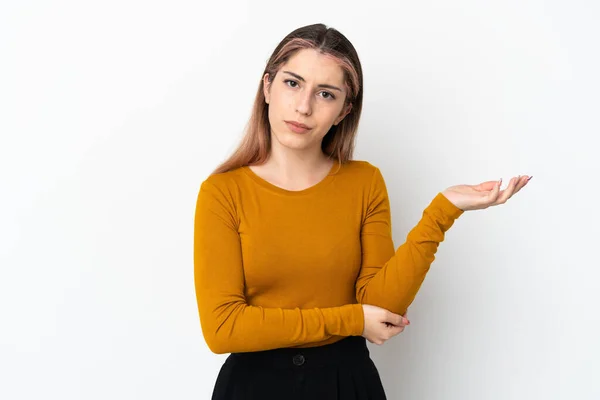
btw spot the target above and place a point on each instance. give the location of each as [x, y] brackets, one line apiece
[484, 195]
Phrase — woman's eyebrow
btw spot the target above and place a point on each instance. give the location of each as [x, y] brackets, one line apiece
[323, 85]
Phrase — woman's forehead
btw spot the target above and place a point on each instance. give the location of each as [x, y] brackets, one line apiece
[316, 67]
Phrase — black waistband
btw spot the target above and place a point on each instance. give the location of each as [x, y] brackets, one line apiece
[349, 349]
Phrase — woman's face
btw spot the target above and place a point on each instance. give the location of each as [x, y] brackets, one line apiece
[308, 89]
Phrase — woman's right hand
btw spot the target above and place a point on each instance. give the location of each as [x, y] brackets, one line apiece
[381, 324]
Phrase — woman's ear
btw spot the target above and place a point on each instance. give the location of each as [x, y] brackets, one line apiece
[345, 112]
[266, 87]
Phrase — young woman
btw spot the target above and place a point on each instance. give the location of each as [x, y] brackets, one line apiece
[295, 267]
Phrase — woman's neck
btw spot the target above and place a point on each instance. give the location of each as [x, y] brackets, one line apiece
[294, 170]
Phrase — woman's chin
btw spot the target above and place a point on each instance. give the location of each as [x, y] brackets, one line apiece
[296, 142]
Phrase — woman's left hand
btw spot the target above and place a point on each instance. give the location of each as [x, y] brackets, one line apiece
[484, 195]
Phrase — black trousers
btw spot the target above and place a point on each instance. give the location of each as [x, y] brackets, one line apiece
[339, 371]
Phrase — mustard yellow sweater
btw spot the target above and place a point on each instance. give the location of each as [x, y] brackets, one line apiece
[277, 268]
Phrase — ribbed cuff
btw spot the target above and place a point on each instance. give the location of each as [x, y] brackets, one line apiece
[346, 320]
[446, 206]
[358, 320]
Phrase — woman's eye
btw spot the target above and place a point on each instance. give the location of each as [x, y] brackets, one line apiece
[289, 83]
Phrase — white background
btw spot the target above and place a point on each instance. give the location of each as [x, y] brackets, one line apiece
[112, 113]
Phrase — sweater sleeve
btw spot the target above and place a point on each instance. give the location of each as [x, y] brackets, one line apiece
[228, 323]
[390, 278]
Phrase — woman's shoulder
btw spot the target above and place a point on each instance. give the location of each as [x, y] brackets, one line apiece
[222, 183]
[361, 169]
[361, 165]
[224, 178]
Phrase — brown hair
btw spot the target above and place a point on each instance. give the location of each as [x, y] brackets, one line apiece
[339, 140]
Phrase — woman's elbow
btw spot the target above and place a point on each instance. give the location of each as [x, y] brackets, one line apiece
[217, 346]
[221, 342]
[219, 334]
[216, 341]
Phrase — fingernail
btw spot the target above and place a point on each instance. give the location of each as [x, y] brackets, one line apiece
[528, 179]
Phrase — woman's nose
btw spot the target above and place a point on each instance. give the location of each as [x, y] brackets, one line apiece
[303, 104]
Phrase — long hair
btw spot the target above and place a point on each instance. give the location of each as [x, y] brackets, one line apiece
[339, 141]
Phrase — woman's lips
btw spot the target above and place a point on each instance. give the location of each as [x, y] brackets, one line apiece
[295, 128]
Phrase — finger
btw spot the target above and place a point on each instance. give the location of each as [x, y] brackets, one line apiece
[395, 319]
[494, 193]
[391, 327]
[518, 185]
[514, 185]
[522, 182]
[395, 331]
[485, 186]
[508, 192]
